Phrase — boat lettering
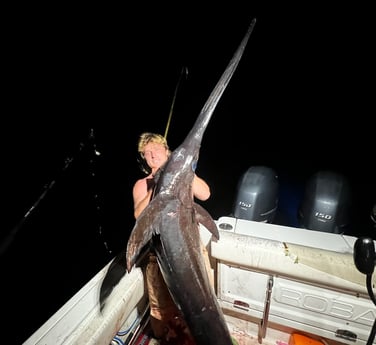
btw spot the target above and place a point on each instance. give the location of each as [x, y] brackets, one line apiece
[326, 304]
[323, 216]
[245, 204]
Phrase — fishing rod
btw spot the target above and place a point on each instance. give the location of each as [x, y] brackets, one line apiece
[90, 141]
[141, 161]
[184, 71]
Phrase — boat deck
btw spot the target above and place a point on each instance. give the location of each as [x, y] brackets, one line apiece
[244, 332]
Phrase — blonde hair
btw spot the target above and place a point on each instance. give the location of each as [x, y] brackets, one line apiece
[148, 137]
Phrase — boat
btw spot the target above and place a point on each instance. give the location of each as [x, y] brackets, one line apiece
[276, 284]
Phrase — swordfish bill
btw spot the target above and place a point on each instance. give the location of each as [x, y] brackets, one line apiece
[170, 225]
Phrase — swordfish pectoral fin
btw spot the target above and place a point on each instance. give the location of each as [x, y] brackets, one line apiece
[203, 217]
[146, 225]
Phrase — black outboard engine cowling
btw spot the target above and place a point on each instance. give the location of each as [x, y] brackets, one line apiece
[326, 203]
[257, 195]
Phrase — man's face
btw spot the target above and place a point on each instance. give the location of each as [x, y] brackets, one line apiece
[155, 155]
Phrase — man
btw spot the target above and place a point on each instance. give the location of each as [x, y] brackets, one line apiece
[155, 151]
[166, 321]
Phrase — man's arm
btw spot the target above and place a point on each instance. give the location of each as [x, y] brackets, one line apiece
[142, 192]
[201, 189]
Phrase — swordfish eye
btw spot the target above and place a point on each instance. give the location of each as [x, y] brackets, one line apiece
[194, 165]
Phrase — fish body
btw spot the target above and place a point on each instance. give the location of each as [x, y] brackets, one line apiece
[171, 224]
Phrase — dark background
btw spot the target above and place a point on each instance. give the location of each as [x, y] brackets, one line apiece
[76, 80]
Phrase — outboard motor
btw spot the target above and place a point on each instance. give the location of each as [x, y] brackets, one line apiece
[257, 195]
[325, 205]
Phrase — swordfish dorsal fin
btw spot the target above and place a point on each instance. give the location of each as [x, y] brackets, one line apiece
[124, 261]
[146, 225]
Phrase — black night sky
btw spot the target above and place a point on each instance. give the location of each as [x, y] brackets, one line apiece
[82, 80]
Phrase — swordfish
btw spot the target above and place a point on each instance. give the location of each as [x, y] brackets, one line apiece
[170, 223]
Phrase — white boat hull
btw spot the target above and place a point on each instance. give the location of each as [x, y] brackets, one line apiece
[272, 281]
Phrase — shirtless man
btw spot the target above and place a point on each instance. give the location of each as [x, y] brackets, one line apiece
[166, 321]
